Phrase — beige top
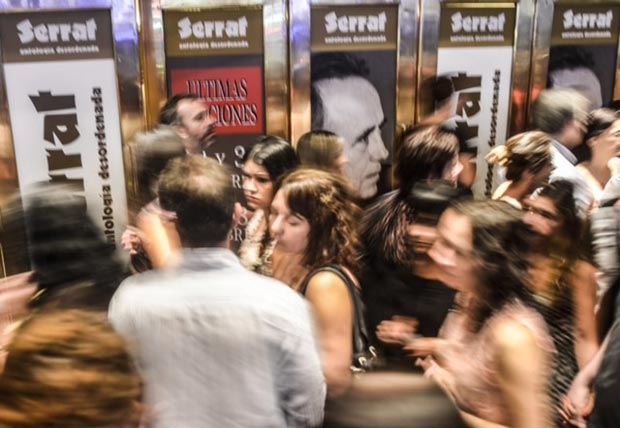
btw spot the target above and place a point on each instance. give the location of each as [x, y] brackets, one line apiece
[472, 359]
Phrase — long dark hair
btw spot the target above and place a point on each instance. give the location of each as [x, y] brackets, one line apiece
[274, 154]
[560, 193]
[424, 154]
[501, 248]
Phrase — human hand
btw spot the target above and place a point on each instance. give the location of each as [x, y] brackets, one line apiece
[131, 240]
[577, 404]
[397, 331]
[422, 346]
[437, 374]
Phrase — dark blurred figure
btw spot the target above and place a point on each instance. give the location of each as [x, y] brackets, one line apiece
[399, 286]
[564, 285]
[219, 345]
[151, 152]
[74, 267]
[392, 400]
[69, 369]
[322, 150]
[445, 106]
[528, 161]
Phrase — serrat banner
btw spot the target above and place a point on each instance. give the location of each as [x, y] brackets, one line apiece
[218, 54]
[476, 52]
[353, 87]
[583, 51]
[63, 102]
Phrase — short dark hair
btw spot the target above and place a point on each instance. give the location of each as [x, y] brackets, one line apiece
[598, 121]
[332, 65]
[274, 154]
[168, 114]
[66, 248]
[200, 192]
[152, 151]
[423, 154]
[442, 89]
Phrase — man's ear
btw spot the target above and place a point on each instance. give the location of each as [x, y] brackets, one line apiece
[181, 131]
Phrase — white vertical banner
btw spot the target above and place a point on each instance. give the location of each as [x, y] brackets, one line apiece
[476, 52]
[64, 109]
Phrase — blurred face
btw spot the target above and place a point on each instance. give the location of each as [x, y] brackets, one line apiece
[452, 171]
[542, 216]
[257, 186]
[352, 109]
[197, 127]
[453, 252]
[290, 230]
[542, 176]
[607, 144]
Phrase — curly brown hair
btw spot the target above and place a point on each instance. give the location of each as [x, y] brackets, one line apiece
[328, 203]
[69, 369]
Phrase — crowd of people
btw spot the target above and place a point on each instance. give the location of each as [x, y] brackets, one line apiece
[335, 305]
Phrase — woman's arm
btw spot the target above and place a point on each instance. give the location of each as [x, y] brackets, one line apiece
[523, 375]
[331, 301]
[584, 295]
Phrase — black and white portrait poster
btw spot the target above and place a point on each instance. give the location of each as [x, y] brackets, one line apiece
[353, 87]
[583, 51]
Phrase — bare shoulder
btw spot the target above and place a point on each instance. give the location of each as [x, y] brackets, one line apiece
[511, 335]
[327, 282]
[584, 270]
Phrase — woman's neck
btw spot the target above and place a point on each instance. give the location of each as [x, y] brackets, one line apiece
[598, 168]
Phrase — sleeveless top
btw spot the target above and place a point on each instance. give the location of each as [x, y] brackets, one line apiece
[560, 319]
[472, 359]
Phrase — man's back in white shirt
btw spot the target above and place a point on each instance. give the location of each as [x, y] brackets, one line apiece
[220, 346]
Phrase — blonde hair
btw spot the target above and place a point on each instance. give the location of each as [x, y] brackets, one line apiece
[320, 149]
[68, 369]
[526, 151]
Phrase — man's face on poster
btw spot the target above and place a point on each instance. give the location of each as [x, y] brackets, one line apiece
[352, 109]
[581, 79]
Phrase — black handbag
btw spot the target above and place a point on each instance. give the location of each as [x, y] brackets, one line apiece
[364, 355]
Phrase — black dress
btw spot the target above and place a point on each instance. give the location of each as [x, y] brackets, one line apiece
[560, 319]
[390, 291]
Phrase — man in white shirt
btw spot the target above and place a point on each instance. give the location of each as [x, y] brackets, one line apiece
[218, 346]
[562, 114]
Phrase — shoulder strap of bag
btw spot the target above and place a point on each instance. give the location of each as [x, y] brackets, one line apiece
[360, 333]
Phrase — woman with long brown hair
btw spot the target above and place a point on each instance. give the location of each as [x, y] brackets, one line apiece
[313, 215]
